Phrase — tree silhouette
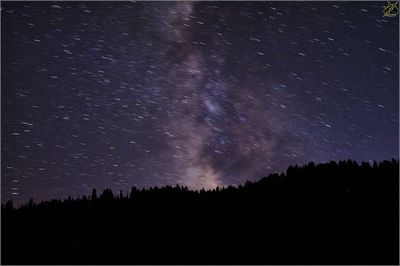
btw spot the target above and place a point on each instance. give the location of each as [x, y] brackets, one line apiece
[332, 213]
[94, 194]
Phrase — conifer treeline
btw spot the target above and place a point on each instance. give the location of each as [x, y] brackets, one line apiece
[332, 213]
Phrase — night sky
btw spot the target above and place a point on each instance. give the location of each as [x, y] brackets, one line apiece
[200, 94]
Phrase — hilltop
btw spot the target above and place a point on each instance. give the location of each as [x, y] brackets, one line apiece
[333, 213]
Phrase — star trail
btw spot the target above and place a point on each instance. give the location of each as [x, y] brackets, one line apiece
[200, 94]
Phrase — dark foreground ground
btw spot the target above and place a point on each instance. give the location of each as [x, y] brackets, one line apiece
[336, 213]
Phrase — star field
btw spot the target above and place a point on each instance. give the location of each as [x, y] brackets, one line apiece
[200, 94]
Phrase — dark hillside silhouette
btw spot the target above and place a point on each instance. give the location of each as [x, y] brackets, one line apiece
[332, 213]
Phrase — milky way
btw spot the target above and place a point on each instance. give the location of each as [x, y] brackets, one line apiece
[200, 94]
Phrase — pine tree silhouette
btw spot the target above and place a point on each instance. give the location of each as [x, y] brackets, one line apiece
[333, 213]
